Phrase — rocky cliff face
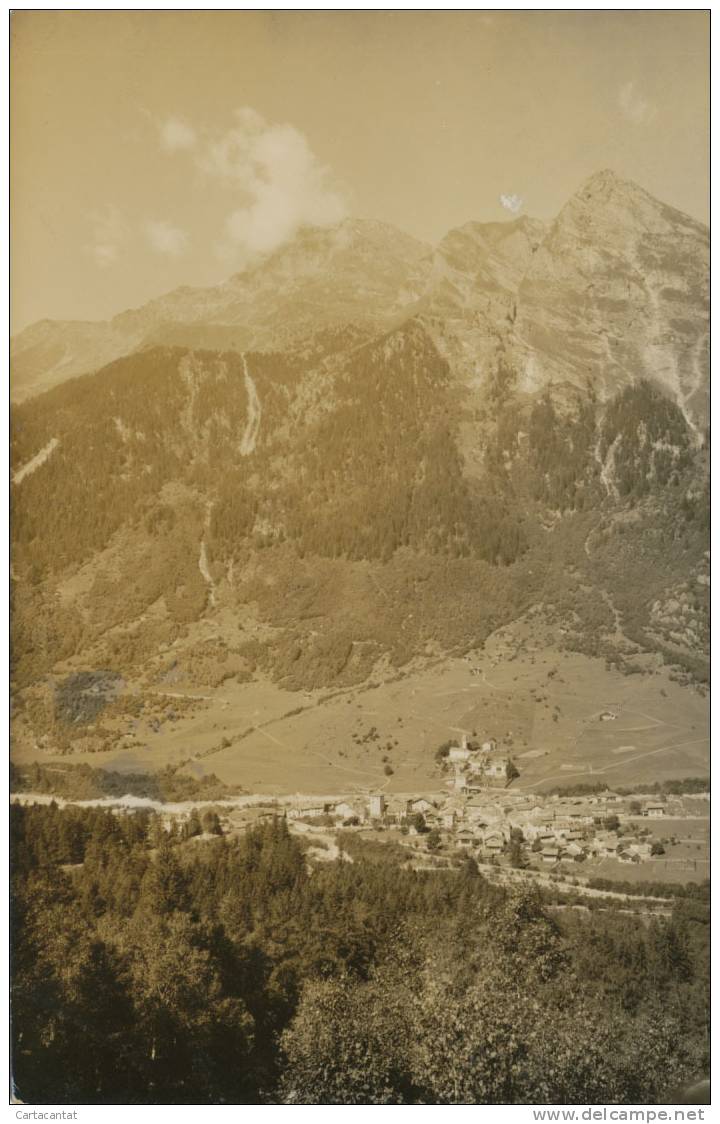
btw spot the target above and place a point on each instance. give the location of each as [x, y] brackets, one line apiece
[52, 351]
[617, 292]
[471, 292]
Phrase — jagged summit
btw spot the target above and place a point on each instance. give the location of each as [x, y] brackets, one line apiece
[591, 294]
[617, 291]
[622, 201]
[607, 179]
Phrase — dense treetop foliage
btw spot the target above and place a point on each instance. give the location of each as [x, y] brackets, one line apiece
[154, 968]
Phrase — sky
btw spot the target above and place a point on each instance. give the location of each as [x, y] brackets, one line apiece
[152, 149]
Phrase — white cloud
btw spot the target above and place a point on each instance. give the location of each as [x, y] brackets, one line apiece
[177, 135]
[109, 234]
[634, 106]
[280, 182]
[166, 238]
[511, 203]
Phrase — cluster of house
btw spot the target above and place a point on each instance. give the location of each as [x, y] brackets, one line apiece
[550, 828]
[346, 811]
[560, 828]
[476, 766]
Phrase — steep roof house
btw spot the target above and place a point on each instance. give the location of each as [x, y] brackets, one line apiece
[419, 804]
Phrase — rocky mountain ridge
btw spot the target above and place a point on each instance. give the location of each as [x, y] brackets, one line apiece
[614, 290]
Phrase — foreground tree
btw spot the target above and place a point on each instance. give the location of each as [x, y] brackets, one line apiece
[451, 1018]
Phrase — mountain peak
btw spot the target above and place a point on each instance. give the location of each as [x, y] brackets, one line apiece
[316, 244]
[616, 292]
[353, 231]
[606, 186]
[608, 196]
[606, 177]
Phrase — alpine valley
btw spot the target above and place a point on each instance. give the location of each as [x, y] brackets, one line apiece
[295, 529]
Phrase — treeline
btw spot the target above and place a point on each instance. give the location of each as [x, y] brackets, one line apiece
[150, 969]
[695, 891]
[83, 782]
[683, 787]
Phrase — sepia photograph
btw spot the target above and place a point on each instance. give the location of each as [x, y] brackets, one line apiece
[359, 571]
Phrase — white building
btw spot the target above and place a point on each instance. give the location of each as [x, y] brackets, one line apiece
[376, 806]
[346, 811]
[460, 753]
[496, 768]
[309, 812]
[482, 811]
[420, 804]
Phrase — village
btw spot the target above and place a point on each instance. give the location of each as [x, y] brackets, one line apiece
[480, 809]
[478, 813]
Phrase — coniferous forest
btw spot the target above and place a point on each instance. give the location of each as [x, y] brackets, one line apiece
[149, 967]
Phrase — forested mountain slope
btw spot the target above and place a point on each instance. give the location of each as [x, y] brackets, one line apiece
[398, 451]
